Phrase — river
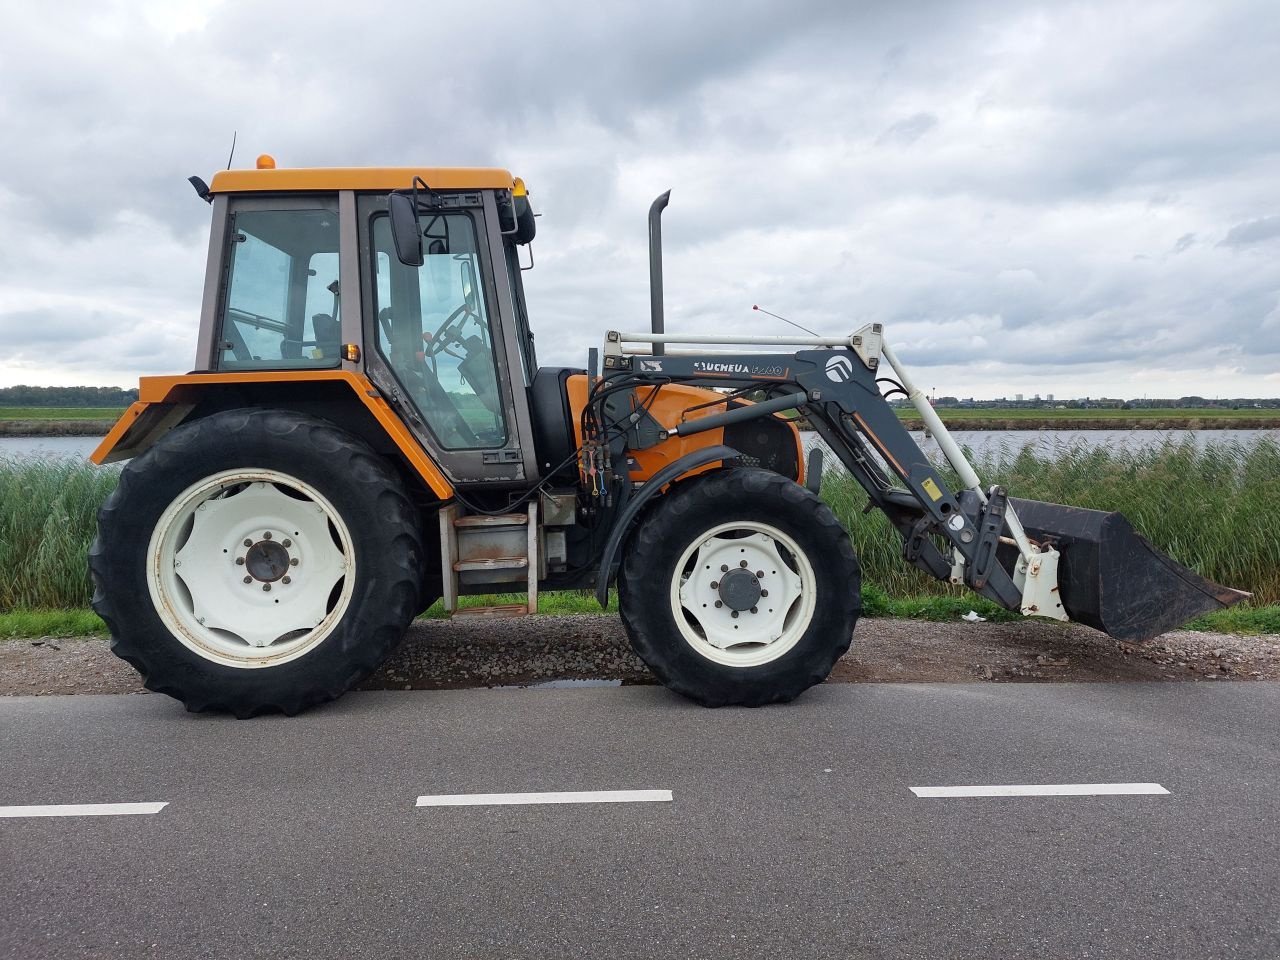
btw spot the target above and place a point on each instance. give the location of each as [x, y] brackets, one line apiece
[981, 442]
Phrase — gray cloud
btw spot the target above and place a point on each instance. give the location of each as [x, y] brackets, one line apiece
[1002, 185]
[1255, 231]
[907, 131]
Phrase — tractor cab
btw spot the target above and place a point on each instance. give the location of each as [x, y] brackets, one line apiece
[305, 276]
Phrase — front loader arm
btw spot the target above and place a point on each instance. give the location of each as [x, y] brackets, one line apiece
[836, 390]
[1068, 563]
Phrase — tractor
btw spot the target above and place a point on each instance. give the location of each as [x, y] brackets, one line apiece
[366, 430]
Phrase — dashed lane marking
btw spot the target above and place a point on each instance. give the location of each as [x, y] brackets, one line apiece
[83, 810]
[581, 796]
[1042, 790]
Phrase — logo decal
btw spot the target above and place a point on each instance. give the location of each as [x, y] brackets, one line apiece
[839, 369]
[702, 366]
[650, 366]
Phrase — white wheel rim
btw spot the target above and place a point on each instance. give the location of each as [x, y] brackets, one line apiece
[293, 548]
[783, 576]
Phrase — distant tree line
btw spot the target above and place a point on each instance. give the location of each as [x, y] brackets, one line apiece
[1105, 403]
[24, 396]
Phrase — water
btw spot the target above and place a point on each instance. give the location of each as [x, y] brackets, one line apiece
[26, 448]
[981, 442]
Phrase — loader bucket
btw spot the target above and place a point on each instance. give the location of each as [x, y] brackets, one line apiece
[1113, 579]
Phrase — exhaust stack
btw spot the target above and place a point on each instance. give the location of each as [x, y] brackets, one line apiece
[657, 320]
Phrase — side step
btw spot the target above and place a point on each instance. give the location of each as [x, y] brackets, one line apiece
[497, 552]
[490, 613]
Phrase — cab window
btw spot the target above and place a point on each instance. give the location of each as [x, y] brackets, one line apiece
[433, 330]
[281, 307]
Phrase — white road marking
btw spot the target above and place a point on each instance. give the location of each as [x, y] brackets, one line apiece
[581, 796]
[1042, 790]
[83, 809]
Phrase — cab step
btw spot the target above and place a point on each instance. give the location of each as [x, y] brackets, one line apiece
[492, 563]
[490, 554]
[491, 613]
[481, 520]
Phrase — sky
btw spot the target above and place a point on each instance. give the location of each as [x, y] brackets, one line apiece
[1080, 199]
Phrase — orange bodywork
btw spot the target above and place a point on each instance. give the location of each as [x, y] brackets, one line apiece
[163, 401]
[668, 408]
[303, 179]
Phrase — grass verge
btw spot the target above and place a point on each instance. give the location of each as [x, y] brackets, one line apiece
[875, 603]
[61, 413]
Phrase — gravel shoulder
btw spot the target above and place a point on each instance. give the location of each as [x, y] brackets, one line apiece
[440, 654]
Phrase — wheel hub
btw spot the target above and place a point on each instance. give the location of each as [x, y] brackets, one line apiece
[739, 589]
[267, 561]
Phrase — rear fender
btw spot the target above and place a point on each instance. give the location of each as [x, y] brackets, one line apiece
[348, 399]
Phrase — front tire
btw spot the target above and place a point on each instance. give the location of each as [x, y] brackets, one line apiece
[740, 587]
[256, 561]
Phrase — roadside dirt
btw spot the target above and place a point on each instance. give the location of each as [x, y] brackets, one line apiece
[442, 654]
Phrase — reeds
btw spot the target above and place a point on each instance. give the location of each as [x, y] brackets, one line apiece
[48, 515]
[1215, 509]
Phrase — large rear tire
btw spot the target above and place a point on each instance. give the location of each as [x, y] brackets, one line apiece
[257, 561]
[740, 587]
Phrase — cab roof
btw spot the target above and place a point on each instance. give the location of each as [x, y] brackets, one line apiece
[359, 178]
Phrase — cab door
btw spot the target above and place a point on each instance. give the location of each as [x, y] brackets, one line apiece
[441, 341]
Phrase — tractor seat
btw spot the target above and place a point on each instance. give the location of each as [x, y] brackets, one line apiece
[328, 333]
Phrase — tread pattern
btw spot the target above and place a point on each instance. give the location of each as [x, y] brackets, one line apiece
[384, 525]
[698, 504]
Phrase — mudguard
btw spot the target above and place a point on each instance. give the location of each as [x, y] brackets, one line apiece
[652, 487]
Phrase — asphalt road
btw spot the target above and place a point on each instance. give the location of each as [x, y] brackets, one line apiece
[792, 832]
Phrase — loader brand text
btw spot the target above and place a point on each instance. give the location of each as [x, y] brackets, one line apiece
[704, 366]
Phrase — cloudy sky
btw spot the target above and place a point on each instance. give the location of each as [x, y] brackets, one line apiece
[1068, 198]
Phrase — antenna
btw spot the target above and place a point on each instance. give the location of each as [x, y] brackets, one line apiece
[755, 306]
[233, 149]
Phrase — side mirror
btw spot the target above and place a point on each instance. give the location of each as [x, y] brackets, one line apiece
[405, 231]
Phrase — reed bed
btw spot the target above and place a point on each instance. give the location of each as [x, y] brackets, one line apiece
[1215, 509]
[48, 515]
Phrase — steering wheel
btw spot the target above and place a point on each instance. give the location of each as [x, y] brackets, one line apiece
[447, 331]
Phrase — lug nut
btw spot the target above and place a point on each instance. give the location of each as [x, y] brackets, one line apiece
[754, 610]
[715, 584]
[764, 593]
[760, 573]
[248, 579]
[286, 543]
[293, 561]
[239, 561]
[286, 580]
[266, 588]
[248, 543]
[719, 604]
[267, 535]
[734, 614]
[743, 563]
[724, 568]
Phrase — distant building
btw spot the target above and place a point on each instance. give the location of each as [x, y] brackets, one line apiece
[1017, 397]
[1048, 398]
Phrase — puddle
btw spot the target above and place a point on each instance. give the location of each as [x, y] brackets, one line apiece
[558, 684]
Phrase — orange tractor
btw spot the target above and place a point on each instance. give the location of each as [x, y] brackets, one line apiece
[366, 430]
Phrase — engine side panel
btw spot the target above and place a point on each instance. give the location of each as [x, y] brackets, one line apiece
[768, 442]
